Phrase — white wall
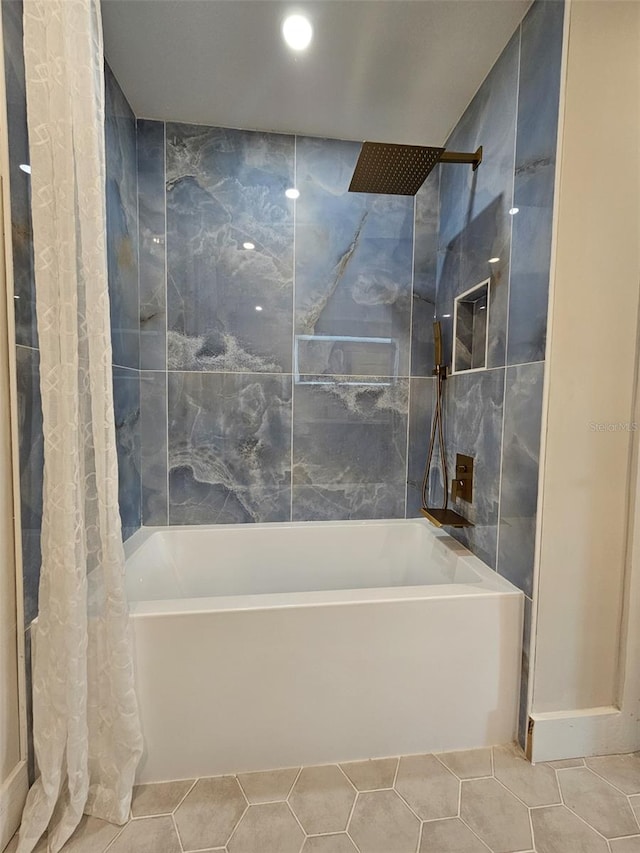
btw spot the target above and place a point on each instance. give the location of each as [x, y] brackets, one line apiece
[591, 378]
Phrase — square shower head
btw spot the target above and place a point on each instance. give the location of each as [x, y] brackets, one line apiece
[393, 169]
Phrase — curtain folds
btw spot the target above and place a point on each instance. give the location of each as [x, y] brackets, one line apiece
[86, 727]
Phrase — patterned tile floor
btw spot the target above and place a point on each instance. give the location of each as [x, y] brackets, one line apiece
[459, 802]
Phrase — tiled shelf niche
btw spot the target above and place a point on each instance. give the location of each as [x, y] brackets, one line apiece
[470, 329]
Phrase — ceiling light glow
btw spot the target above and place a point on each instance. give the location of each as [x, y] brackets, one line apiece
[493, 260]
[248, 246]
[513, 211]
[258, 307]
[25, 168]
[297, 32]
[446, 315]
[292, 192]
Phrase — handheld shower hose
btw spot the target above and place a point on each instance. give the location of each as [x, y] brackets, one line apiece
[437, 427]
[443, 516]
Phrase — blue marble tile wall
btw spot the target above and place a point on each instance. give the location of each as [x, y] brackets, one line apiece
[27, 354]
[276, 334]
[124, 296]
[503, 211]
[121, 254]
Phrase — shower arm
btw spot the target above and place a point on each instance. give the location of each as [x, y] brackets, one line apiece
[463, 157]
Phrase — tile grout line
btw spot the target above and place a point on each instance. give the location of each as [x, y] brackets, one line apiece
[238, 822]
[175, 826]
[563, 804]
[413, 280]
[140, 497]
[484, 843]
[411, 809]
[353, 808]
[166, 310]
[506, 334]
[182, 799]
[357, 790]
[295, 817]
[530, 816]
[293, 320]
[113, 840]
[343, 376]
[604, 779]
[395, 775]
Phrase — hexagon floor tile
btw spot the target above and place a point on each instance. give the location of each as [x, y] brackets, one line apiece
[557, 830]
[475, 801]
[210, 812]
[322, 799]
[468, 764]
[598, 803]
[428, 787]
[449, 836]
[269, 828]
[382, 823]
[535, 785]
[626, 845]
[495, 815]
[329, 844]
[623, 771]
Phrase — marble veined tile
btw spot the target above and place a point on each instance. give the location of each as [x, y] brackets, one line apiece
[353, 255]
[152, 228]
[521, 452]
[126, 404]
[474, 206]
[226, 188]
[349, 445]
[229, 448]
[473, 426]
[538, 97]
[537, 129]
[153, 447]
[530, 269]
[425, 263]
[21, 232]
[122, 224]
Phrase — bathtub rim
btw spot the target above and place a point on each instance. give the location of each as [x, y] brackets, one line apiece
[489, 583]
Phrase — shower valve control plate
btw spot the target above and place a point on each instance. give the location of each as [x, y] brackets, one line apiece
[462, 483]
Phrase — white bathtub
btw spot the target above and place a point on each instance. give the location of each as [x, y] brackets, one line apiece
[276, 645]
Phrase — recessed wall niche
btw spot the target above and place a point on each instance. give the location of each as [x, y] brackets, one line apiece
[470, 329]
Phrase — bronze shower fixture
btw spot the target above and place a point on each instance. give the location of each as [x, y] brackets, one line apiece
[401, 169]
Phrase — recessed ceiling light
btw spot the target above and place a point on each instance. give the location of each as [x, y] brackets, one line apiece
[25, 168]
[493, 260]
[297, 32]
[258, 307]
[446, 315]
[292, 192]
[248, 246]
[514, 210]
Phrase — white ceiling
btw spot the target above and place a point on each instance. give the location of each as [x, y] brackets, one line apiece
[383, 70]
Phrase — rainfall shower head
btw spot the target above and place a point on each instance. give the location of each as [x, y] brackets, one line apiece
[401, 169]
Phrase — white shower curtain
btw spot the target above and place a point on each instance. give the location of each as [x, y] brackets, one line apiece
[86, 726]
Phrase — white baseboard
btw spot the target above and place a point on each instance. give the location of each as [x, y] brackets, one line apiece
[12, 796]
[576, 733]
